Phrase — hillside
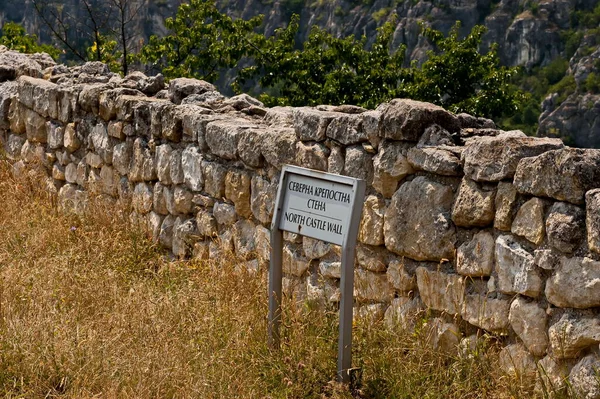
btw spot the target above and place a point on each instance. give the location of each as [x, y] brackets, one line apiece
[531, 34]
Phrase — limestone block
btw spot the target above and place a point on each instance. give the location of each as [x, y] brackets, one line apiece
[311, 124]
[359, 164]
[592, 199]
[176, 167]
[194, 127]
[312, 155]
[115, 130]
[244, 240]
[552, 376]
[122, 155]
[67, 102]
[224, 214]
[70, 199]
[89, 97]
[575, 283]
[417, 222]
[496, 158]
[546, 259]
[214, 179]
[517, 362]
[191, 165]
[583, 377]
[443, 337]
[371, 258]
[108, 99]
[94, 160]
[435, 160]
[529, 321]
[55, 135]
[330, 269]
[262, 199]
[182, 200]
[142, 198]
[474, 205]
[71, 140]
[475, 258]
[399, 277]
[280, 116]
[506, 200]
[207, 224]
[406, 120]
[125, 190]
[171, 122]
[58, 172]
[82, 173]
[39, 95]
[262, 236]
[565, 226]
[574, 333]
[487, 313]
[14, 145]
[142, 163]
[371, 223]
[109, 180]
[248, 147]
[346, 129]
[294, 263]
[180, 88]
[278, 146]
[370, 286]
[404, 312]
[159, 201]
[184, 236]
[101, 143]
[369, 313]
[314, 249]
[335, 162]
[203, 201]
[223, 136]
[565, 175]
[441, 291]
[237, 190]
[165, 236]
[71, 173]
[17, 113]
[35, 127]
[529, 221]
[517, 273]
[163, 163]
[154, 224]
[390, 166]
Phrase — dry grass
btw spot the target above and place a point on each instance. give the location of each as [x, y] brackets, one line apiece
[90, 308]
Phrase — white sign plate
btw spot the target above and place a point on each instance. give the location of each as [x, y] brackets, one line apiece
[317, 208]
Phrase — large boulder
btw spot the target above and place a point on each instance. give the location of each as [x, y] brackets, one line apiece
[575, 284]
[180, 88]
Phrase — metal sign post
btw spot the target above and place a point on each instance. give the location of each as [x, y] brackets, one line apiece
[326, 207]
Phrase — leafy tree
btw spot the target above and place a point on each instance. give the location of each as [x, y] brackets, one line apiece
[201, 42]
[15, 38]
[459, 78]
[107, 51]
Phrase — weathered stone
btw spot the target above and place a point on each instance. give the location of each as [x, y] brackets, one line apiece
[58, 172]
[313, 156]
[592, 200]
[55, 135]
[142, 198]
[262, 236]
[214, 179]
[552, 376]
[475, 258]
[371, 223]
[180, 88]
[417, 221]
[191, 165]
[496, 158]
[546, 259]
[159, 201]
[115, 130]
[185, 235]
[154, 223]
[330, 269]
[39, 95]
[529, 221]
[101, 144]
[565, 175]
[474, 205]
[194, 127]
[575, 284]
[403, 312]
[370, 286]
[109, 180]
[176, 168]
[14, 145]
[122, 154]
[82, 173]
[142, 163]
[71, 173]
[279, 147]
[311, 124]
[107, 102]
[404, 119]
[346, 129]
[35, 127]
[71, 140]
[163, 163]
[390, 166]
[574, 333]
[441, 291]
[442, 336]
[517, 362]
[89, 97]
[94, 160]
[529, 321]
[16, 117]
[243, 237]
[70, 199]
[565, 226]
[487, 313]
[249, 147]
[223, 136]
[335, 162]
[182, 200]
[517, 273]
[207, 224]
[294, 263]
[314, 249]
[237, 190]
[399, 277]
[435, 160]
[506, 200]
[368, 313]
[224, 214]
[371, 258]
[359, 164]
[583, 377]
[262, 200]
[435, 135]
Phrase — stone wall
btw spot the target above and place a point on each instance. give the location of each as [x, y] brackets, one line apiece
[490, 231]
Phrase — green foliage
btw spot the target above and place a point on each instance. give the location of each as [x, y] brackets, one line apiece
[15, 38]
[106, 50]
[586, 18]
[592, 83]
[564, 88]
[459, 78]
[201, 42]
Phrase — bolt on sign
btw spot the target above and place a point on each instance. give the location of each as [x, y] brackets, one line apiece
[327, 207]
